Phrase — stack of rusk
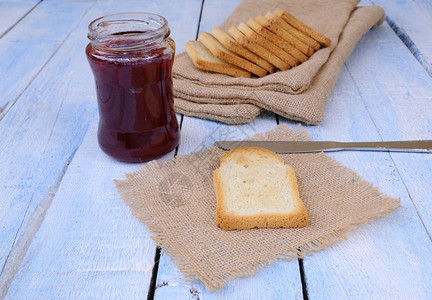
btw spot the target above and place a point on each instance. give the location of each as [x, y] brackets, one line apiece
[276, 41]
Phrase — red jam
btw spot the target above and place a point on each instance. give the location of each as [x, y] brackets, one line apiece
[137, 121]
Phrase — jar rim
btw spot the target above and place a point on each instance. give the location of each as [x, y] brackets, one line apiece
[128, 25]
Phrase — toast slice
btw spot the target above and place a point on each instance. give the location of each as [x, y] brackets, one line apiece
[257, 49]
[224, 54]
[285, 30]
[288, 47]
[299, 25]
[203, 59]
[254, 188]
[262, 41]
[231, 44]
[292, 40]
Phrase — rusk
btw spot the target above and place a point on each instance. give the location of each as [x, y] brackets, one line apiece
[285, 30]
[276, 50]
[218, 50]
[254, 188]
[231, 44]
[292, 40]
[288, 47]
[203, 59]
[296, 23]
[257, 49]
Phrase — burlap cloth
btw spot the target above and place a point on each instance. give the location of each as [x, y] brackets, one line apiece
[299, 93]
[175, 199]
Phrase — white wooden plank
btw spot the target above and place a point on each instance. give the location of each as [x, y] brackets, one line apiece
[89, 245]
[412, 22]
[397, 243]
[215, 12]
[63, 104]
[26, 48]
[11, 12]
[387, 258]
[397, 92]
[279, 280]
[198, 134]
[391, 257]
[31, 43]
[27, 134]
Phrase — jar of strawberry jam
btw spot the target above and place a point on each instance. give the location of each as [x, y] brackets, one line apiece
[131, 56]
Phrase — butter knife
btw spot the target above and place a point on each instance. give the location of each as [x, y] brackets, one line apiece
[312, 146]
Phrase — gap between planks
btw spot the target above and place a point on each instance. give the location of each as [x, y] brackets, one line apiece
[404, 37]
[303, 279]
[21, 246]
[20, 19]
[391, 157]
[408, 42]
[5, 108]
[153, 279]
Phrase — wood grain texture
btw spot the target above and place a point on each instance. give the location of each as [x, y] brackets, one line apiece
[26, 49]
[41, 133]
[12, 11]
[43, 128]
[215, 12]
[65, 232]
[391, 257]
[265, 284]
[89, 243]
[281, 280]
[412, 22]
[399, 102]
[29, 45]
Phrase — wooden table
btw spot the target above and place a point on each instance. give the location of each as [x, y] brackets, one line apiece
[65, 232]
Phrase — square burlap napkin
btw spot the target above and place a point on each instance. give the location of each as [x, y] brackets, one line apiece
[299, 93]
[175, 199]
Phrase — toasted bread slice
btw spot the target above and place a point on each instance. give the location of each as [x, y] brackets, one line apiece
[257, 49]
[231, 44]
[203, 59]
[296, 23]
[288, 47]
[224, 54]
[254, 188]
[259, 39]
[292, 40]
[285, 31]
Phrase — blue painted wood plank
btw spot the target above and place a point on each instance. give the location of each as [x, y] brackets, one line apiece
[41, 113]
[265, 284]
[399, 102]
[12, 11]
[412, 22]
[361, 267]
[380, 97]
[281, 280]
[88, 244]
[90, 247]
[30, 44]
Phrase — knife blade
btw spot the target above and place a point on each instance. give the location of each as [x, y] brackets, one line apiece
[318, 146]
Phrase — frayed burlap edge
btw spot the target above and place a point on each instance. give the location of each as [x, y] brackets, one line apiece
[318, 243]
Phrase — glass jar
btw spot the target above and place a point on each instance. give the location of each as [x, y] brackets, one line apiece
[131, 56]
